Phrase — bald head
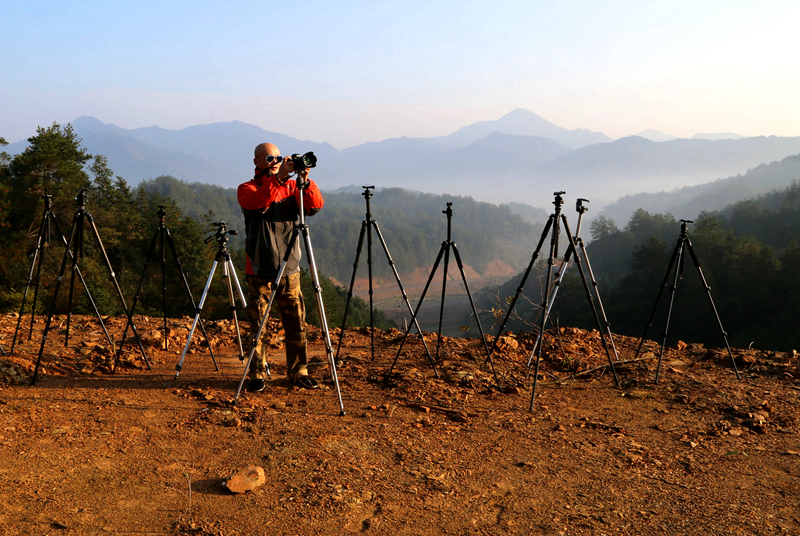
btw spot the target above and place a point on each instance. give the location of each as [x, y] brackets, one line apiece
[262, 151]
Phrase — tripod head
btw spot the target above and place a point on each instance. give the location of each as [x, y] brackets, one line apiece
[579, 205]
[161, 212]
[48, 201]
[80, 199]
[448, 210]
[221, 236]
[684, 228]
[559, 200]
[366, 193]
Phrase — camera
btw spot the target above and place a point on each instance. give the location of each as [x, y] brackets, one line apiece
[306, 161]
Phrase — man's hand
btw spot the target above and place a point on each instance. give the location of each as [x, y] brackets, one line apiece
[287, 166]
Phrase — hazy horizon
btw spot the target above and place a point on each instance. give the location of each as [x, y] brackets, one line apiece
[352, 73]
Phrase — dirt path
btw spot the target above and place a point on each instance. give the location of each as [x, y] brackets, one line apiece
[137, 452]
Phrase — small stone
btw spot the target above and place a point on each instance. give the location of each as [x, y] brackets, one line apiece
[247, 479]
[233, 423]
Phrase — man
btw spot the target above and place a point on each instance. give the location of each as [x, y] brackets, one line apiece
[270, 203]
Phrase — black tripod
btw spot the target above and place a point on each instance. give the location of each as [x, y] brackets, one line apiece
[42, 242]
[76, 239]
[299, 227]
[554, 223]
[228, 272]
[162, 233]
[445, 251]
[581, 209]
[678, 255]
[366, 229]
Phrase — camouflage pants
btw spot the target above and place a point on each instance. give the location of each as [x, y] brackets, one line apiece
[292, 311]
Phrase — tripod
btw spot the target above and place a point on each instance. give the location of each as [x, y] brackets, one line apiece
[76, 238]
[228, 272]
[554, 222]
[581, 209]
[366, 228]
[445, 251]
[162, 233]
[299, 228]
[42, 242]
[678, 255]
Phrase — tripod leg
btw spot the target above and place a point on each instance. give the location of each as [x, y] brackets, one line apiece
[76, 256]
[600, 326]
[445, 245]
[179, 366]
[713, 307]
[188, 291]
[562, 270]
[606, 323]
[352, 284]
[59, 279]
[671, 302]
[522, 282]
[244, 306]
[312, 268]
[128, 313]
[164, 288]
[403, 293]
[34, 262]
[150, 251]
[475, 312]
[414, 316]
[658, 298]
[371, 300]
[550, 261]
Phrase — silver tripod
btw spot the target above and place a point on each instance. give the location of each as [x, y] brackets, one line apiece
[228, 272]
[300, 227]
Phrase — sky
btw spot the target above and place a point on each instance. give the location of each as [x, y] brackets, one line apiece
[351, 72]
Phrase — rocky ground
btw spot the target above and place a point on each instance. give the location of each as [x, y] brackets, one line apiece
[86, 451]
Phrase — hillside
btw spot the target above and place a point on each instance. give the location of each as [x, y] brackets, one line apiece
[689, 201]
[412, 224]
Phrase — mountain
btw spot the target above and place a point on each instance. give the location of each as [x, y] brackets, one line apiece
[655, 135]
[688, 202]
[521, 158]
[218, 153]
[522, 123]
[631, 165]
[718, 136]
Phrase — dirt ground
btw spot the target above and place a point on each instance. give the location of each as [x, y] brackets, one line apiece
[85, 451]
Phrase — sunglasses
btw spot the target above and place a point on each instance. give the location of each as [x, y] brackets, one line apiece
[274, 158]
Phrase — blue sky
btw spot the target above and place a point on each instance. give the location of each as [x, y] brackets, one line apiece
[353, 72]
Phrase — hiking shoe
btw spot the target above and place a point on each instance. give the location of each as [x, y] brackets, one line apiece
[256, 385]
[305, 382]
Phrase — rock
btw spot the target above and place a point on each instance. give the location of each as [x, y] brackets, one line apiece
[247, 479]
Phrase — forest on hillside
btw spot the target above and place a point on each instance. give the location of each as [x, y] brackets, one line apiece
[55, 168]
[748, 253]
[412, 224]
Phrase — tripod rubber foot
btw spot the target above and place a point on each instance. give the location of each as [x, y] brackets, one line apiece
[342, 413]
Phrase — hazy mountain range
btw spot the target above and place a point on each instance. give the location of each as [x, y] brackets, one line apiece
[519, 158]
[688, 202]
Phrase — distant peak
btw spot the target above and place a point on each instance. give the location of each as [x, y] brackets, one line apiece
[87, 120]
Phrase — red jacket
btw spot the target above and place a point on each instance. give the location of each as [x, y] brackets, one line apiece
[270, 212]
